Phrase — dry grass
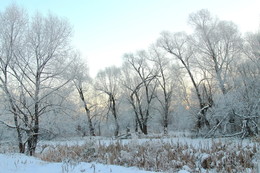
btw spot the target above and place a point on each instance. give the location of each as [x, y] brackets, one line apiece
[219, 156]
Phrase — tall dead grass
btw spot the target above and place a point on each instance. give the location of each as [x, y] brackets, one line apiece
[219, 156]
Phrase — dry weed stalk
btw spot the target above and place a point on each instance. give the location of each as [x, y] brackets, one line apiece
[220, 156]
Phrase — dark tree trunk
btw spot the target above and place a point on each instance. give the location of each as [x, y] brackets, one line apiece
[114, 112]
[34, 140]
[33, 137]
[145, 129]
[165, 126]
[19, 135]
[21, 147]
[34, 131]
[90, 124]
[117, 128]
[136, 124]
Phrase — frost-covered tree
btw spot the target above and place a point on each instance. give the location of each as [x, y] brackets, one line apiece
[179, 47]
[107, 81]
[247, 91]
[13, 23]
[34, 55]
[166, 83]
[218, 44]
[140, 82]
[82, 83]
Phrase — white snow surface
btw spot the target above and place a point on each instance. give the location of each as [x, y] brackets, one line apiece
[183, 171]
[19, 163]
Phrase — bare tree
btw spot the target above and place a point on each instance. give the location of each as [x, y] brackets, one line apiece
[218, 43]
[107, 81]
[82, 82]
[38, 62]
[178, 46]
[13, 24]
[142, 86]
[166, 84]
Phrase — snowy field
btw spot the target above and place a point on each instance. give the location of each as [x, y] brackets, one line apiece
[19, 163]
[198, 148]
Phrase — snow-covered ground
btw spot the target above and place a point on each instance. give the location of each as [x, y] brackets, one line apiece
[19, 163]
[194, 142]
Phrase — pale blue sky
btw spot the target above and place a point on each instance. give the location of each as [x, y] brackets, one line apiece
[106, 29]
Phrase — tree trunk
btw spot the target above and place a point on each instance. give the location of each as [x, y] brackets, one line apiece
[35, 138]
[142, 122]
[136, 125]
[166, 117]
[112, 99]
[20, 142]
[117, 128]
[99, 129]
[33, 134]
[165, 127]
[21, 147]
[221, 82]
[202, 120]
[143, 126]
[145, 129]
[19, 135]
[90, 124]
[32, 140]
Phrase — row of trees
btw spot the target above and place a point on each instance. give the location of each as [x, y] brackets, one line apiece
[212, 73]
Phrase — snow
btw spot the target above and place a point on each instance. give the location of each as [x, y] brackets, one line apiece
[106, 141]
[19, 163]
[183, 171]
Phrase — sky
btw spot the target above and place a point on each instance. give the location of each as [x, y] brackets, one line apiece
[104, 30]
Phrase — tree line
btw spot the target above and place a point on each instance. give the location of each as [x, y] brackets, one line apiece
[212, 73]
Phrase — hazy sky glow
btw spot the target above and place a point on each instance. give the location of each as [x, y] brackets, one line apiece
[106, 29]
